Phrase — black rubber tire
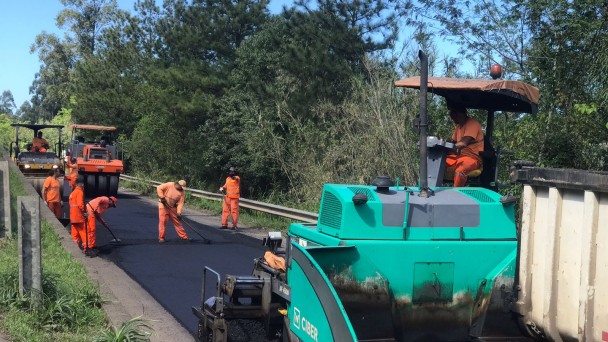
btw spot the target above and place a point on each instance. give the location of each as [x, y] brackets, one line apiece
[113, 185]
[90, 189]
[102, 185]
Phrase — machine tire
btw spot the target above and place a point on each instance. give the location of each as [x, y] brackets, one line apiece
[102, 185]
[113, 185]
[89, 188]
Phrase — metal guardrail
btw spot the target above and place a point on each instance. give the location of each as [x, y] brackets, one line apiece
[268, 208]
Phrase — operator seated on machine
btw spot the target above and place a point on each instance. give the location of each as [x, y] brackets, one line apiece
[468, 137]
[39, 144]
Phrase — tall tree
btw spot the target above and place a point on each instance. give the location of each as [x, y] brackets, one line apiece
[50, 88]
[568, 54]
[85, 20]
[192, 45]
[7, 103]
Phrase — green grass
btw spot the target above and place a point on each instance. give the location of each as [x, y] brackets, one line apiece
[69, 307]
[247, 217]
[134, 330]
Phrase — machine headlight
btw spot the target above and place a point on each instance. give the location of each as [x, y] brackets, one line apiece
[55, 166]
[27, 166]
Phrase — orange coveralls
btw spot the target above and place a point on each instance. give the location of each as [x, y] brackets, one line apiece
[97, 205]
[175, 201]
[231, 200]
[469, 158]
[50, 191]
[77, 218]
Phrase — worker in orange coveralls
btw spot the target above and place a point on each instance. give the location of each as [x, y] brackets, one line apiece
[78, 217]
[170, 205]
[231, 200]
[469, 142]
[39, 144]
[50, 193]
[95, 208]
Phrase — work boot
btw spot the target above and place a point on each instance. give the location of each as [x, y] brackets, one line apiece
[188, 239]
[234, 228]
[162, 240]
[90, 253]
[224, 227]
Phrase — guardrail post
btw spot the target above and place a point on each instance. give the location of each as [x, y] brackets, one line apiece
[5, 208]
[30, 257]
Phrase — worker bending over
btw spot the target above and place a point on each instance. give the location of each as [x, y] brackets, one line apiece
[231, 199]
[170, 205]
[51, 194]
[468, 137]
[95, 208]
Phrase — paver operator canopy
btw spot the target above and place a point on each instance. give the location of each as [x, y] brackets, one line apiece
[492, 95]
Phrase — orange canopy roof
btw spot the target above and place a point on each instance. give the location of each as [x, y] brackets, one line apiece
[497, 95]
[93, 127]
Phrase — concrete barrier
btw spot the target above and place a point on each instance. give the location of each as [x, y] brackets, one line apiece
[5, 207]
[30, 247]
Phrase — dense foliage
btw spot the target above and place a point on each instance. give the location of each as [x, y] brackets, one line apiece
[304, 97]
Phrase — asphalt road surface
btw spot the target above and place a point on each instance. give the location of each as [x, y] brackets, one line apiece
[172, 272]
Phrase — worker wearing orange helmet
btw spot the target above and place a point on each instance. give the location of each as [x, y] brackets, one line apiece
[468, 137]
[39, 144]
[78, 215]
[171, 197]
[95, 208]
[51, 194]
[230, 205]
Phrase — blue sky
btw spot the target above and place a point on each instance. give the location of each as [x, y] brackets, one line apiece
[21, 22]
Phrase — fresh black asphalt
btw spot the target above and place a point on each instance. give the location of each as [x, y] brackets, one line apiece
[172, 272]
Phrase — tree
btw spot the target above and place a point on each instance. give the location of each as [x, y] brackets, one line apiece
[86, 19]
[288, 85]
[567, 54]
[50, 88]
[491, 31]
[7, 103]
[106, 84]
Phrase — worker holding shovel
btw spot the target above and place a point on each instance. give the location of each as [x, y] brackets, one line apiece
[95, 208]
[170, 204]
